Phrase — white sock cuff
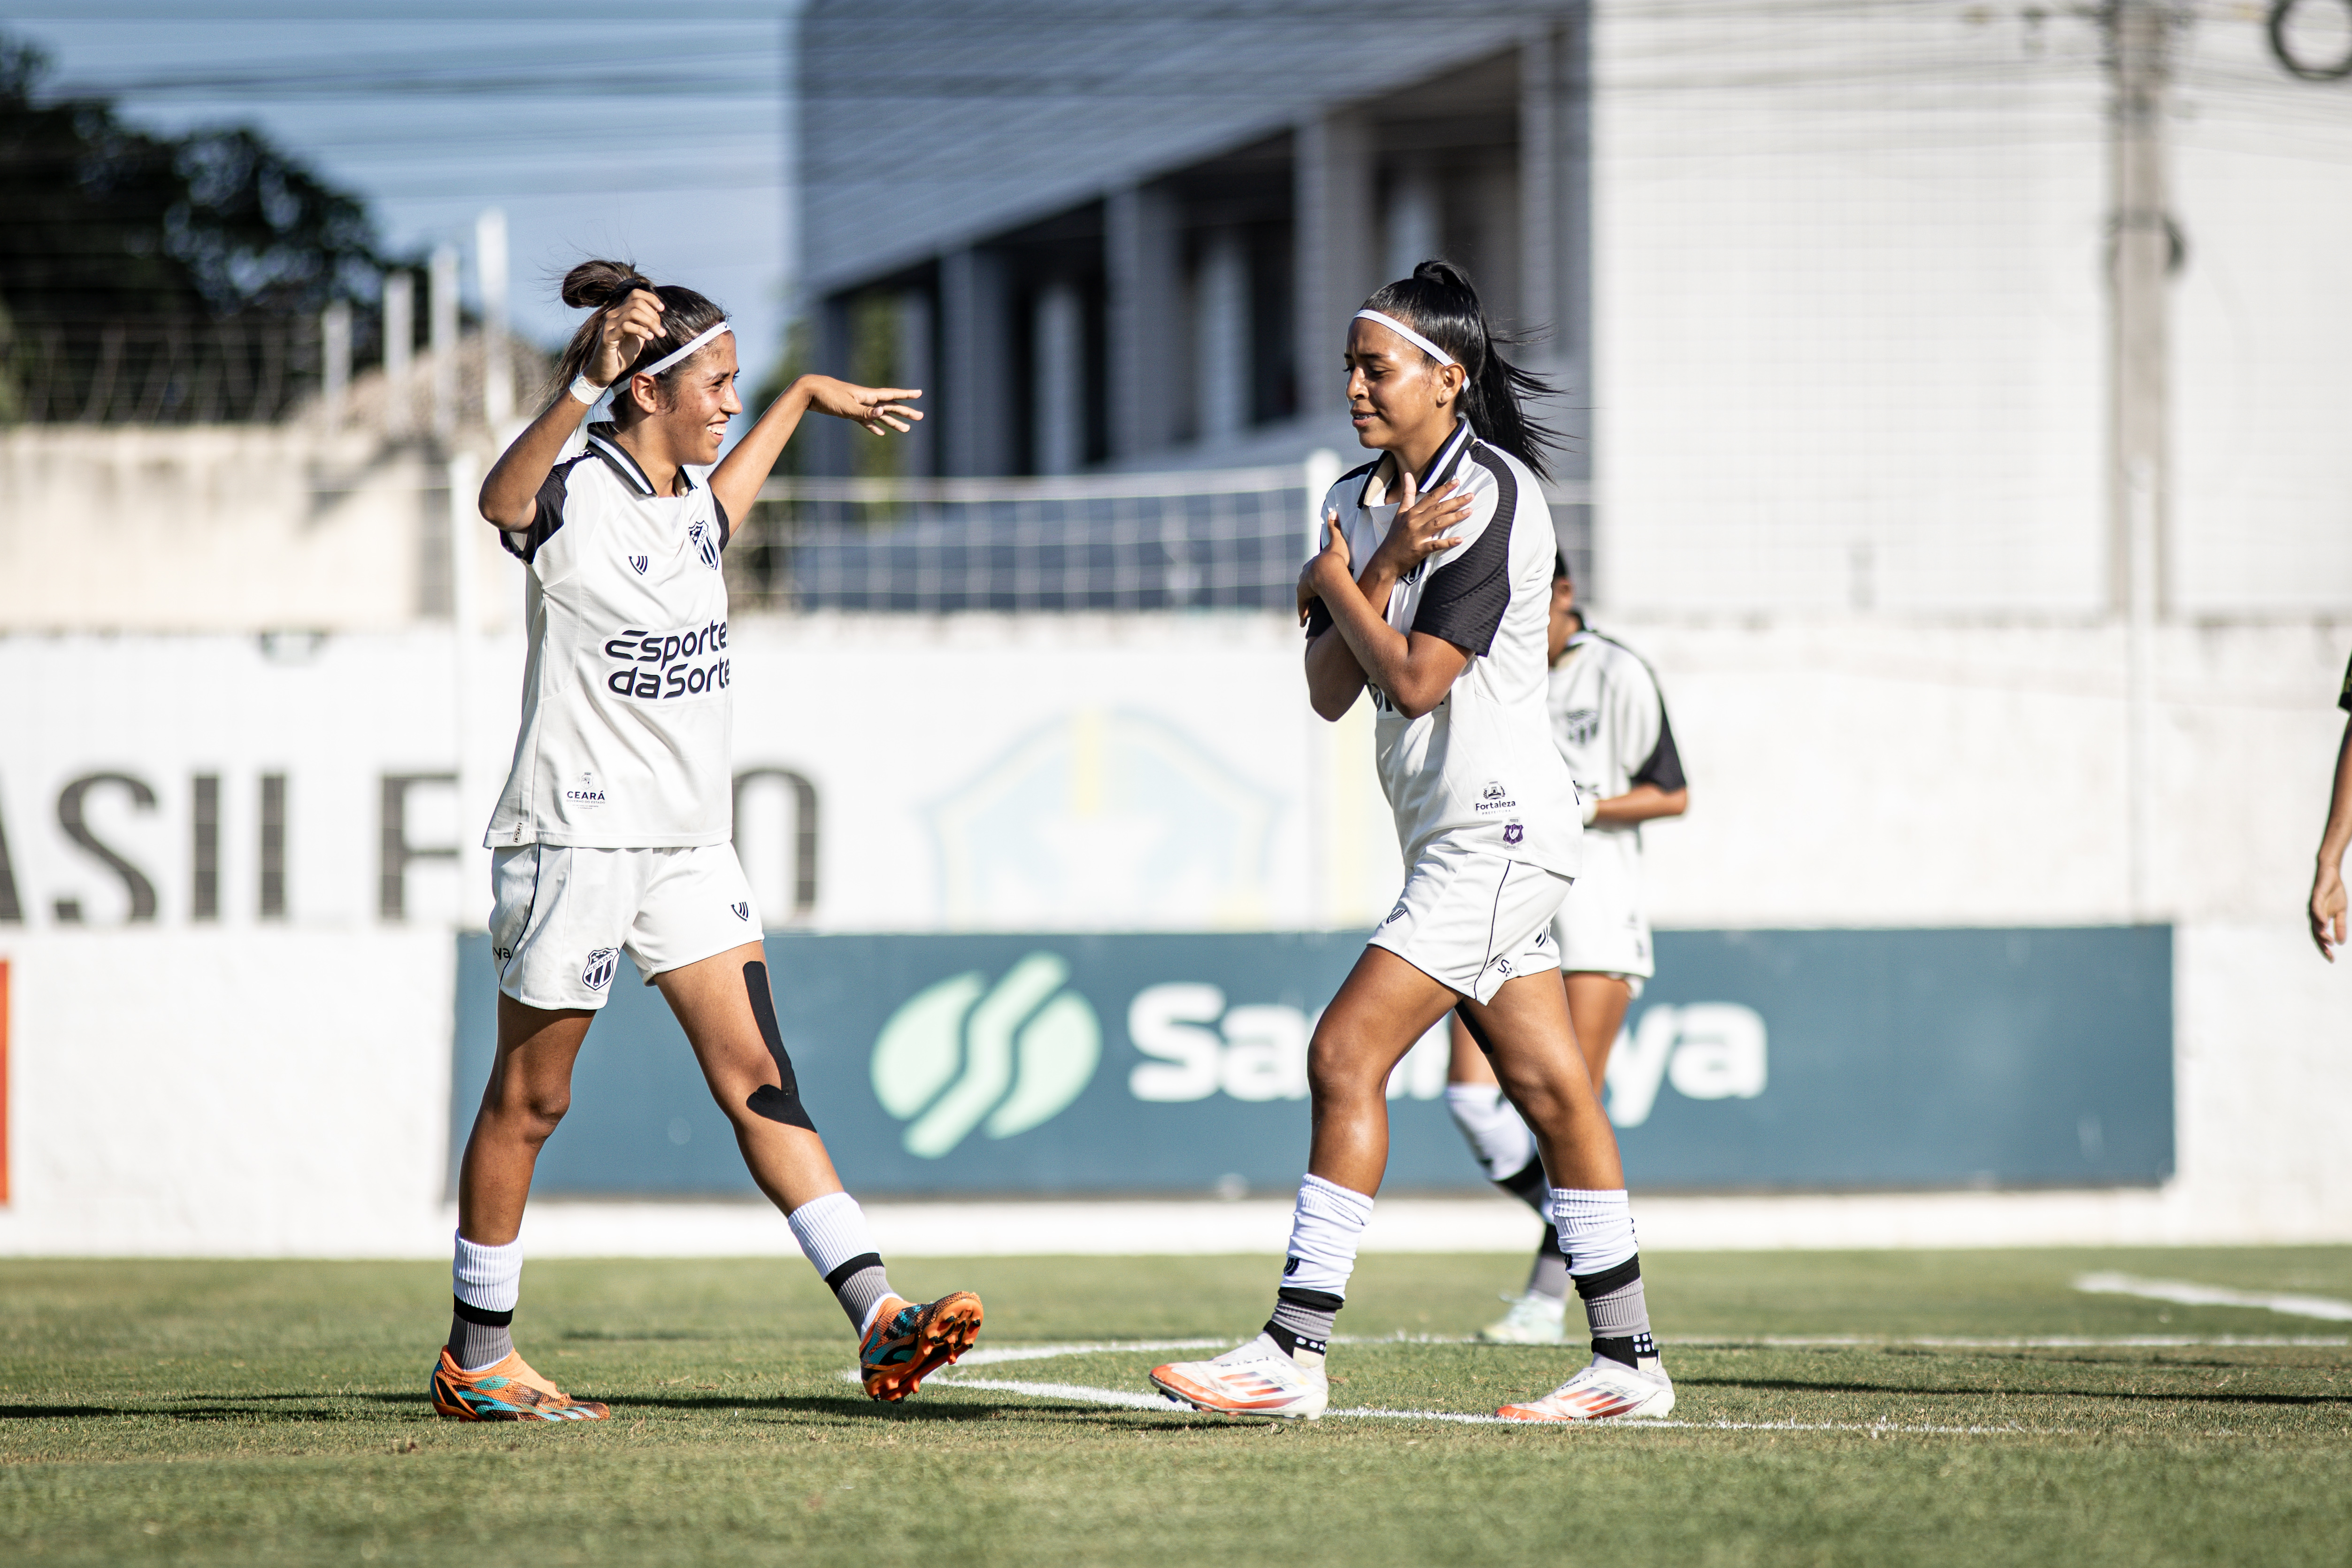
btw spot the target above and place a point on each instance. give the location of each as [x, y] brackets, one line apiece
[489, 1277]
[831, 1230]
[1498, 1137]
[1324, 1226]
[1596, 1229]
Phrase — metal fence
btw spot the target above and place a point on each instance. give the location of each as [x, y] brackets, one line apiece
[1222, 538]
[158, 373]
[1209, 539]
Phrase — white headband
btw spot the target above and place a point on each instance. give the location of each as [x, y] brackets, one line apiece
[1408, 335]
[662, 364]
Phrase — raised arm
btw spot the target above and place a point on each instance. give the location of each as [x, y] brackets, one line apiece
[736, 481]
[510, 493]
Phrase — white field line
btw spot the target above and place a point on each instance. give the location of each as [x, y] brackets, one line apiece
[2186, 1294]
[1083, 1394]
[997, 1355]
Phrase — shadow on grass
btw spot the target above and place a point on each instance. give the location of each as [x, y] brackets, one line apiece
[312, 1409]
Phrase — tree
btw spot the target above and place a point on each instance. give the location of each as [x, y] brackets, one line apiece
[154, 278]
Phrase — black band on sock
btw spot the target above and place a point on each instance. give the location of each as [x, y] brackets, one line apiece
[1462, 1011]
[481, 1315]
[777, 1104]
[863, 1260]
[1610, 1280]
[1530, 1186]
[1314, 1300]
[1627, 1349]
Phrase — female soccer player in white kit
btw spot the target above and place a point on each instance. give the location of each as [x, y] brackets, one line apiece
[1432, 592]
[1609, 725]
[613, 835]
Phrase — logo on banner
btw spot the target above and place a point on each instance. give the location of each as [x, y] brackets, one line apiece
[1707, 1050]
[1002, 1058]
[598, 974]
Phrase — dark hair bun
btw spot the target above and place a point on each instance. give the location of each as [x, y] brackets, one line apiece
[593, 285]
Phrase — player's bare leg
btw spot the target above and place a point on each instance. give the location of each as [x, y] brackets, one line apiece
[1596, 1008]
[1525, 1028]
[724, 1004]
[480, 1376]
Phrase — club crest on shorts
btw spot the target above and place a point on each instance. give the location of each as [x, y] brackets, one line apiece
[698, 535]
[1513, 832]
[742, 911]
[598, 972]
[640, 563]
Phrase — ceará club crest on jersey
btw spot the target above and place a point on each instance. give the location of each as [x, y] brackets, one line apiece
[698, 534]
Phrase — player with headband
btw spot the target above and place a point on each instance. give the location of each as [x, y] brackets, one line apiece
[613, 836]
[1433, 592]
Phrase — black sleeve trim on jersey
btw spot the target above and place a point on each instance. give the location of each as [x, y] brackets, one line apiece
[1465, 598]
[725, 532]
[2344, 698]
[545, 521]
[1664, 766]
[1318, 618]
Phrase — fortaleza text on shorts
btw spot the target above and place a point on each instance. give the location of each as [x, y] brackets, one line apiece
[662, 664]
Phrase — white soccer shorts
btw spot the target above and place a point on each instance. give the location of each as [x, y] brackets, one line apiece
[1603, 927]
[562, 917]
[1471, 920]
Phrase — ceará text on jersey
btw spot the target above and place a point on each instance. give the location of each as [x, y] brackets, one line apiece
[659, 665]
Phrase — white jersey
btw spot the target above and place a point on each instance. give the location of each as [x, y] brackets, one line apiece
[627, 716]
[1480, 767]
[1609, 725]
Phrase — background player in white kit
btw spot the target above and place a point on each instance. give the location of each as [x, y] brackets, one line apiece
[1433, 592]
[612, 838]
[1610, 723]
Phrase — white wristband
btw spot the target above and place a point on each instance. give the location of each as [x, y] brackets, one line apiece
[586, 390]
[1592, 809]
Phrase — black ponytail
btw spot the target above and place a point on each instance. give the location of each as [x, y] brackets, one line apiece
[601, 285]
[1439, 302]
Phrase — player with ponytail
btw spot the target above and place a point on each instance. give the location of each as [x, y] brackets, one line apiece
[614, 837]
[1432, 594]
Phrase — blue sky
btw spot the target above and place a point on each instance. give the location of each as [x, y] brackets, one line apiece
[656, 132]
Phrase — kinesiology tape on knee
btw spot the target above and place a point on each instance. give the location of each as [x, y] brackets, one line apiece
[776, 1103]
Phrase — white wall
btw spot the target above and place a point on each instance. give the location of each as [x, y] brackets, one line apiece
[1852, 321]
[255, 1088]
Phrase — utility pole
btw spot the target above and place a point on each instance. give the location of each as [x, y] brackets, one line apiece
[2139, 38]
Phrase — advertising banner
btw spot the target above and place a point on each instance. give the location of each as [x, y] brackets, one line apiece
[1129, 1063]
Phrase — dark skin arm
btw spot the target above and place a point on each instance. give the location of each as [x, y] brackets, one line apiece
[510, 492]
[1643, 802]
[736, 481]
[2325, 910]
[1415, 669]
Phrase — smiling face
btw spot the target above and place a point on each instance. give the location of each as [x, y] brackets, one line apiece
[688, 418]
[1398, 398]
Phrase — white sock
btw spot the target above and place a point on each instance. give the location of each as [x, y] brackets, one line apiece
[1596, 1229]
[833, 1232]
[1324, 1229]
[489, 1277]
[1497, 1136]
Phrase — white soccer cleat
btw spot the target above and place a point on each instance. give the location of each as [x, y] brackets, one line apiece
[1605, 1391]
[1533, 1320]
[1256, 1379]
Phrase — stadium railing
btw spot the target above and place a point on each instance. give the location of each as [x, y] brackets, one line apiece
[1198, 539]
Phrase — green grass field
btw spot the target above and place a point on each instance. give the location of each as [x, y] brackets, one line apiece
[262, 1413]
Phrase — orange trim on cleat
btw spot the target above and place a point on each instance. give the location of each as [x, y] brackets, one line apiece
[908, 1343]
[507, 1390]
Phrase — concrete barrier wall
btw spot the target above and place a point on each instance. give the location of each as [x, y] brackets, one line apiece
[252, 1085]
